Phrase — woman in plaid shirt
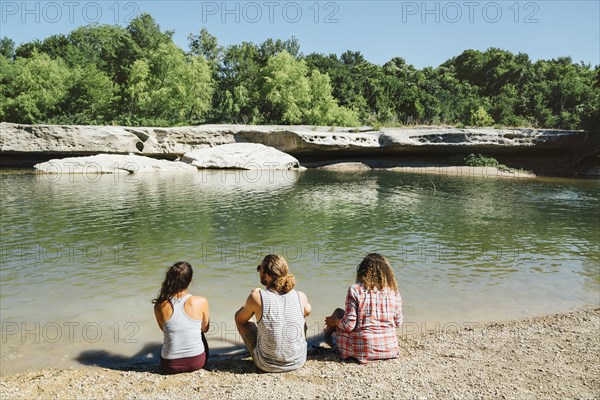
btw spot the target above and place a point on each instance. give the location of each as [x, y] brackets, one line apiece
[366, 329]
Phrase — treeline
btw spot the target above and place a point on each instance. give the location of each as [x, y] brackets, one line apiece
[136, 75]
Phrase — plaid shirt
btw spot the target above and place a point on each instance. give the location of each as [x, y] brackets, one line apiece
[368, 330]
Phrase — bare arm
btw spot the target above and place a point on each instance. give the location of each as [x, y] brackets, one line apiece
[158, 313]
[305, 304]
[250, 308]
[398, 317]
[205, 316]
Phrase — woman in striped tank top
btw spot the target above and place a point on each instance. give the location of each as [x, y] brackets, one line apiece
[277, 341]
[184, 319]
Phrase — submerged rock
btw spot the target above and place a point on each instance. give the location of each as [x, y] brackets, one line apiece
[110, 164]
[347, 166]
[248, 156]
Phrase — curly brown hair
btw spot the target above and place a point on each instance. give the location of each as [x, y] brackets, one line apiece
[276, 267]
[376, 272]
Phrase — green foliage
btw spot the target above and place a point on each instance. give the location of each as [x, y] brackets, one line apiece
[35, 89]
[90, 97]
[7, 48]
[285, 88]
[108, 74]
[168, 88]
[293, 96]
[477, 160]
[480, 117]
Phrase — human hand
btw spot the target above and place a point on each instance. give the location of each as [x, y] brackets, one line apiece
[332, 322]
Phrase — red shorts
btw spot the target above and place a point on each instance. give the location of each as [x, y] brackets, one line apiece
[185, 364]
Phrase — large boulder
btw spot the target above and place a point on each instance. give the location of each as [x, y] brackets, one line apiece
[247, 156]
[110, 164]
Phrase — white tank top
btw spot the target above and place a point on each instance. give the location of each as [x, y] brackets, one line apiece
[182, 334]
[281, 342]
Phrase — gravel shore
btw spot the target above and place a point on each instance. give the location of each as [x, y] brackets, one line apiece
[556, 356]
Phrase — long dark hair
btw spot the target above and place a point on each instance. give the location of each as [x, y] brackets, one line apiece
[178, 278]
[375, 271]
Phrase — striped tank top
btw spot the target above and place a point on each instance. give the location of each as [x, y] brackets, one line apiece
[281, 342]
[182, 334]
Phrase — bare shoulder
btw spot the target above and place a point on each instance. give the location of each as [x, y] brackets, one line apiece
[305, 304]
[198, 300]
[254, 296]
[302, 296]
[163, 310]
[198, 303]
[161, 306]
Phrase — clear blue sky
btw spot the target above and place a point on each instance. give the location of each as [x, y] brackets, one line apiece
[425, 33]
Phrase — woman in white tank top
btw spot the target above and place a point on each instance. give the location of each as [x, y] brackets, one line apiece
[184, 319]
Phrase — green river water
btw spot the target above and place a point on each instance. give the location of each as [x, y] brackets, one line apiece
[83, 255]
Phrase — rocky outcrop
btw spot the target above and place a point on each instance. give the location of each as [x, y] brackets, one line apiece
[24, 145]
[110, 164]
[290, 139]
[248, 156]
[79, 139]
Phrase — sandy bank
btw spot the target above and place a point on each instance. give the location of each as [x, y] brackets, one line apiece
[464, 171]
[556, 356]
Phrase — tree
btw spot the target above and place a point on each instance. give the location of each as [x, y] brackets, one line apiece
[480, 117]
[238, 93]
[270, 48]
[138, 90]
[7, 74]
[323, 109]
[147, 35]
[590, 119]
[35, 90]
[7, 48]
[90, 99]
[136, 75]
[285, 88]
[206, 45]
[169, 88]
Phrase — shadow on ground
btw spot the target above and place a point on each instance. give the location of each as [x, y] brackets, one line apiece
[234, 359]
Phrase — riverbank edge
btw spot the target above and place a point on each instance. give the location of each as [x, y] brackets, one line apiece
[552, 356]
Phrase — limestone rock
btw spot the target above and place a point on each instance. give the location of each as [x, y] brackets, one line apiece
[247, 156]
[296, 139]
[109, 164]
[347, 167]
[67, 139]
[536, 149]
[492, 140]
